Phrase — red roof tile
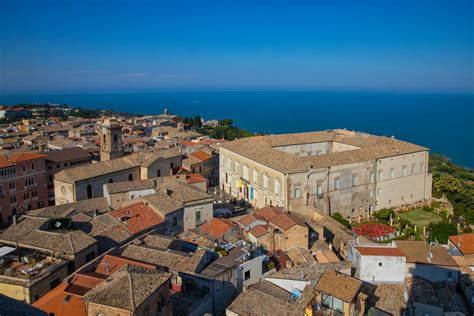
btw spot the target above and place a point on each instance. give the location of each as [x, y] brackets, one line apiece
[4, 163]
[380, 251]
[138, 217]
[268, 212]
[60, 303]
[195, 178]
[466, 241]
[285, 221]
[216, 227]
[26, 156]
[259, 230]
[201, 155]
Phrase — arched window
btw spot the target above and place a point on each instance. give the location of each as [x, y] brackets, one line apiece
[130, 177]
[14, 212]
[115, 138]
[158, 173]
[111, 180]
[89, 191]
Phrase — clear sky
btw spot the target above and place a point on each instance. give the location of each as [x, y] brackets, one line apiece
[112, 46]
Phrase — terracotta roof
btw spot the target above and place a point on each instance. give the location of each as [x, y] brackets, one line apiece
[418, 252]
[4, 163]
[259, 230]
[216, 227]
[128, 288]
[466, 241]
[61, 303]
[285, 221]
[195, 178]
[201, 155]
[137, 217]
[249, 219]
[380, 251]
[339, 285]
[25, 157]
[268, 212]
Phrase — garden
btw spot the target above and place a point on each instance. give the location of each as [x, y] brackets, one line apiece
[429, 223]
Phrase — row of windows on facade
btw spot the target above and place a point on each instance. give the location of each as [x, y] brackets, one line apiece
[72, 163]
[12, 184]
[12, 171]
[266, 179]
[26, 196]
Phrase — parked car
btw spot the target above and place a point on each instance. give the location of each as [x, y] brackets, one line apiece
[222, 212]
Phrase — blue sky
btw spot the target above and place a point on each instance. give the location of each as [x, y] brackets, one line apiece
[113, 46]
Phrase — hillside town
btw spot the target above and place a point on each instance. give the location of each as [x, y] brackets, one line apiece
[114, 214]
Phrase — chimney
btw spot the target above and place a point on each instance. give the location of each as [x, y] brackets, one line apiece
[15, 220]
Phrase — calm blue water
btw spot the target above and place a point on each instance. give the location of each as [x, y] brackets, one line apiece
[442, 122]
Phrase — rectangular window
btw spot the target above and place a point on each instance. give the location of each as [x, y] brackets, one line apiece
[336, 184]
[371, 193]
[229, 164]
[380, 175]
[372, 177]
[175, 221]
[198, 216]
[319, 189]
[392, 173]
[404, 171]
[246, 172]
[265, 182]
[237, 167]
[413, 169]
[355, 180]
[379, 192]
[422, 167]
[277, 187]
[247, 275]
[297, 193]
[255, 176]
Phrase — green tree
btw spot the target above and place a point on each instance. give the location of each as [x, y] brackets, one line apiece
[338, 217]
[447, 183]
[441, 231]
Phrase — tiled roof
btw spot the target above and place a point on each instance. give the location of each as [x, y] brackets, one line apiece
[249, 219]
[128, 288]
[137, 217]
[64, 210]
[380, 251]
[268, 212]
[175, 261]
[466, 241]
[67, 154]
[259, 230]
[285, 221]
[105, 167]
[112, 263]
[55, 302]
[195, 178]
[216, 227]
[261, 149]
[126, 186]
[339, 285]
[418, 252]
[29, 232]
[4, 163]
[162, 203]
[25, 157]
[201, 155]
[181, 191]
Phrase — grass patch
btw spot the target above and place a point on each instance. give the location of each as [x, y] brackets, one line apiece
[420, 217]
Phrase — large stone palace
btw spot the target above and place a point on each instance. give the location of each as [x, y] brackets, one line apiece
[334, 171]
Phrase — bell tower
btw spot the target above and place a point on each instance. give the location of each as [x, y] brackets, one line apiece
[111, 139]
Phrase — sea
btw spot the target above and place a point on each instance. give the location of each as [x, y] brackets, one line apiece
[442, 122]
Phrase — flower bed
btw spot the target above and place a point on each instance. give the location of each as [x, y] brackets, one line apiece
[374, 230]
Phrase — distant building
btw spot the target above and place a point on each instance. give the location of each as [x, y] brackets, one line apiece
[111, 139]
[205, 164]
[16, 113]
[22, 185]
[333, 171]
